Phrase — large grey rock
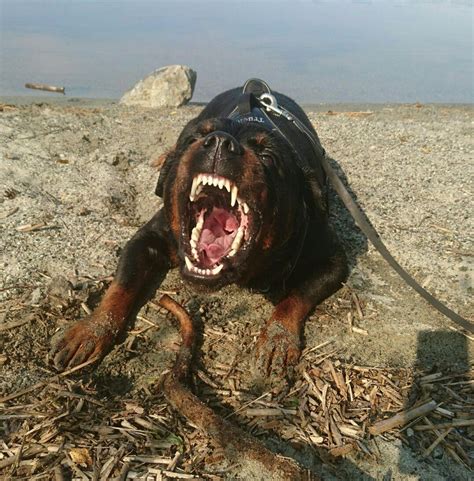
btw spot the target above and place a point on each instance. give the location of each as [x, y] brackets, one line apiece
[170, 86]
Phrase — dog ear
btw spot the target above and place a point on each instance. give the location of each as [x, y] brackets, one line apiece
[163, 163]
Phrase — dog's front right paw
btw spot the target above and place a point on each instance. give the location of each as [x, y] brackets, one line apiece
[86, 340]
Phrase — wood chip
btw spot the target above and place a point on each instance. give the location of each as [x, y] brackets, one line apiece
[402, 418]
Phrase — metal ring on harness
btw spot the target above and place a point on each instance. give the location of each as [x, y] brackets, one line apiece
[269, 102]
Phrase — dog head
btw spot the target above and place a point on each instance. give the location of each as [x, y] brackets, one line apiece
[232, 194]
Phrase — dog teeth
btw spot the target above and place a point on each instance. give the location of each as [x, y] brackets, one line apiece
[201, 180]
[189, 264]
[233, 195]
[217, 269]
[195, 234]
[237, 240]
[203, 272]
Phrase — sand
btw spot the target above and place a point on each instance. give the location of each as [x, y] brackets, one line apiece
[80, 174]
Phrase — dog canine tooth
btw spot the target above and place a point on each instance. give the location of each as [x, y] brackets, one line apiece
[217, 269]
[200, 222]
[238, 239]
[227, 184]
[233, 195]
[232, 253]
[221, 183]
[245, 207]
[192, 195]
[189, 264]
[195, 234]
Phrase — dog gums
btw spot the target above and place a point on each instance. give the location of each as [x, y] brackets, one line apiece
[238, 447]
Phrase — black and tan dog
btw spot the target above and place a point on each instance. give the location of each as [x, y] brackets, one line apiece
[244, 201]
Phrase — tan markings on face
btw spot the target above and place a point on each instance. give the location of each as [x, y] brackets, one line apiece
[159, 161]
[207, 127]
[253, 176]
[261, 138]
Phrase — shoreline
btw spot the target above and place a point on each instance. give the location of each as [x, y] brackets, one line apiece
[88, 102]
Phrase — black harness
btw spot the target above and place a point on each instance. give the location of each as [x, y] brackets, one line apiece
[253, 107]
[257, 104]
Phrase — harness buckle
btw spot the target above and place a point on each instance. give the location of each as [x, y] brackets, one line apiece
[269, 102]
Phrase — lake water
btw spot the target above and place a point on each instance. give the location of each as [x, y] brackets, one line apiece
[316, 51]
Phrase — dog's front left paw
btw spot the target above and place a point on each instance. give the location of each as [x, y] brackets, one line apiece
[277, 353]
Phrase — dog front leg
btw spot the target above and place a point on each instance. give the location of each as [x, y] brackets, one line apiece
[279, 344]
[146, 257]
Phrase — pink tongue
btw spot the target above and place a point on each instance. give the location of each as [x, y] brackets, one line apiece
[218, 232]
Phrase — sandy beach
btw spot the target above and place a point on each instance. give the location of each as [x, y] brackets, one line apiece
[76, 182]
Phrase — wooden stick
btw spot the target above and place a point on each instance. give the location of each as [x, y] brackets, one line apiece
[455, 423]
[237, 445]
[435, 443]
[402, 418]
[47, 88]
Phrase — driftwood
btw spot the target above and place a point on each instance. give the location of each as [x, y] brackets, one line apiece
[238, 446]
[402, 418]
[47, 88]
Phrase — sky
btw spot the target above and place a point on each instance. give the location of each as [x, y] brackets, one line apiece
[316, 51]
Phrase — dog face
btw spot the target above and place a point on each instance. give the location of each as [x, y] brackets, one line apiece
[232, 194]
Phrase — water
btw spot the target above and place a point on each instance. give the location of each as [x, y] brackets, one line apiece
[320, 51]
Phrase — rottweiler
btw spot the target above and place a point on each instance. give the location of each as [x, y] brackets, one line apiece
[245, 202]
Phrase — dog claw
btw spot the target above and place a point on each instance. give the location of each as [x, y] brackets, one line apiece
[80, 343]
[277, 353]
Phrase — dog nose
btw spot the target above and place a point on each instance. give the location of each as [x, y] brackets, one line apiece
[223, 142]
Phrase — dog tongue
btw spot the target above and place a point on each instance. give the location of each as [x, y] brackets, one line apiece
[218, 232]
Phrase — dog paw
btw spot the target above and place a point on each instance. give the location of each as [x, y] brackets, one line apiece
[277, 353]
[85, 340]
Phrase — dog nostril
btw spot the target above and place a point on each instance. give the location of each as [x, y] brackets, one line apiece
[210, 139]
[222, 141]
[231, 145]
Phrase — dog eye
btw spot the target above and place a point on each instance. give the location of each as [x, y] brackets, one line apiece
[190, 140]
[267, 159]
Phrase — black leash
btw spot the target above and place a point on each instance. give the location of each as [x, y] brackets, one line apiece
[268, 103]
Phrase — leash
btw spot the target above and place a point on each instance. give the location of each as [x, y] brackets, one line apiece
[269, 104]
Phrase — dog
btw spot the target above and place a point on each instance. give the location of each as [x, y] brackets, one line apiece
[244, 202]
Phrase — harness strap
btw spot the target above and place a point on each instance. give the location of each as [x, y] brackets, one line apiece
[363, 222]
[359, 215]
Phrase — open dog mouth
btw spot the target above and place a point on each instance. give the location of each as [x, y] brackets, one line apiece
[218, 224]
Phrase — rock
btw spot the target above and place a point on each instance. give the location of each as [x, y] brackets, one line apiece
[36, 296]
[170, 86]
[59, 287]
